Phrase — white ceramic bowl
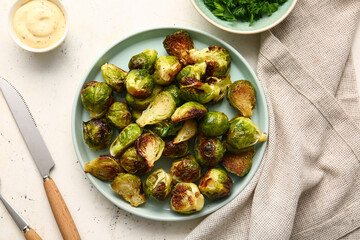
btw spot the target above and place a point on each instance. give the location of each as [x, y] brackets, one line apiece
[12, 11]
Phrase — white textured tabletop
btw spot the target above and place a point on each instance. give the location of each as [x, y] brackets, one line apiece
[48, 83]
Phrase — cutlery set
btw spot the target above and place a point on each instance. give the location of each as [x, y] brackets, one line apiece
[44, 163]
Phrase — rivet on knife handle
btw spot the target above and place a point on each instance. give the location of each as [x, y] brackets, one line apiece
[61, 213]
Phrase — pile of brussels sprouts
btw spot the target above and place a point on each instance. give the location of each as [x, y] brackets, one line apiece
[166, 107]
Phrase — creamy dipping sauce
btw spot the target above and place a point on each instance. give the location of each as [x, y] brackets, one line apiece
[39, 23]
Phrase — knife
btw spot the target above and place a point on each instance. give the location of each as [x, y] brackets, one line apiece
[42, 158]
[29, 233]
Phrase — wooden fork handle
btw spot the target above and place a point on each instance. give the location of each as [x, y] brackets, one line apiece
[61, 213]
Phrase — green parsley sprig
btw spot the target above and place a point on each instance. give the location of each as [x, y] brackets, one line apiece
[242, 10]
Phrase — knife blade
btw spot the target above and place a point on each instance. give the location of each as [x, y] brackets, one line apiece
[41, 156]
[29, 233]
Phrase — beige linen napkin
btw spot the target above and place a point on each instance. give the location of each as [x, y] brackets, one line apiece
[308, 184]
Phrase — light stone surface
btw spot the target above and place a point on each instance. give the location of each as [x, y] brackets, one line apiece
[48, 82]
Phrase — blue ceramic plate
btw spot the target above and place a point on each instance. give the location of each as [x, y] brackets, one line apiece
[263, 24]
[120, 54]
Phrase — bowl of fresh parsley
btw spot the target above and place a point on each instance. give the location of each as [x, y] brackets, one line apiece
[244, 16]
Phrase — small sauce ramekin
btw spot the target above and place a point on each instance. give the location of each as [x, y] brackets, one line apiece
[15, 6]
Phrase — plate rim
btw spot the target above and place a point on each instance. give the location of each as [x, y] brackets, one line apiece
[241, 31]
[77, 99]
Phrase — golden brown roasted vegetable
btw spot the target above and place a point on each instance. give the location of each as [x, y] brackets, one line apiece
[105, 167]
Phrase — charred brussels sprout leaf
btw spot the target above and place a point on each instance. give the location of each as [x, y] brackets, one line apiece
[166, 128]
[150, 146]
[96, 98]
[144, 60]
[241, 96]
[159, 110]
[119, 115]
[208, 151]
[240, 163]
[188, 131]
[166, 69]
[214, 124]
[186, 169]
[192, 71]
[125, 139]
[176, 150]
[175, 93]
[97, 133]
[188, 110]
[114, 77]
[178, 44]
[158, 185]
[142, 103]
[186, 198]
[133, 163]
[192, 89]
[139, 83]
[215, 184]
[105, 168]
[130, 188]
[243, 133]
[217, 60]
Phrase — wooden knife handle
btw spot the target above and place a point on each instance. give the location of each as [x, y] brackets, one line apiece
[32, 235]
[61, 213]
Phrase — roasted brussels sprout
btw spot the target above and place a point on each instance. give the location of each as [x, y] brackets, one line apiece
[178, 44]
[125, 139]
[166, 69]
[215, 184]
[97, 133]
[208, 151]
[243, 133]
[189, 110]
[133, 163]
[192, 71]
[192, 89]
[119, 115]
[136, 114]
[241, 95]
[139, 83]
[186, 198]
[188, 131]
[150, 146]
[130, 188]
[222, 83]
[105, 167]
[240, 163]
[142, 103]
[214, 124]
[176, 150]
[144, 60]
[166, 128]
[185, 169]
[114, 77]
[159, 110]
[158, 185]
[96, 98]
[217, 60]
[175, 92]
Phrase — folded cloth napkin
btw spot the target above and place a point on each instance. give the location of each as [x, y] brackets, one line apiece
[308, 184]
